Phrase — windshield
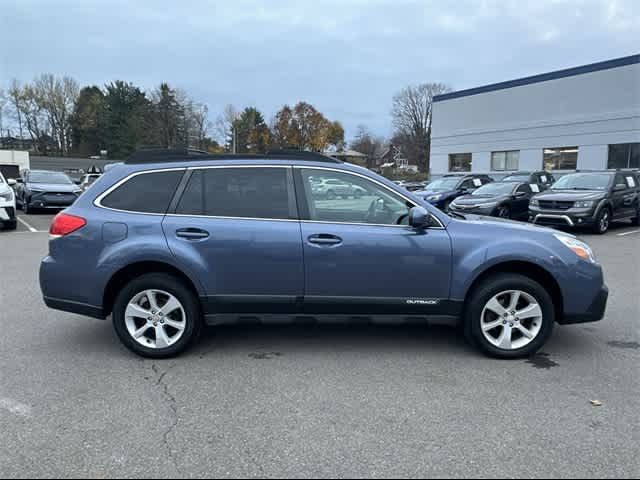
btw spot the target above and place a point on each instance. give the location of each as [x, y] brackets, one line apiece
[50, 178]
[583, 181]
[443, 184]
[495, 189]
[517, 178]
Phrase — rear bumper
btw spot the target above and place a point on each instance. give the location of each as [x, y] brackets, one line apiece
[74, 307]
[594, 313]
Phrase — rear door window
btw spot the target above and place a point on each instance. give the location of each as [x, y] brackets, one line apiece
[255, 192]
[145, 193]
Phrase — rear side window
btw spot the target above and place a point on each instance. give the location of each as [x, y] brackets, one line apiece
[145, 193]
[237, 192]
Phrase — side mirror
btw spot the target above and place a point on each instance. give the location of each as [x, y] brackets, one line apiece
[419, 217]
[520, 194]
[78, 182]
[619, 187]
[20, 180]
[11, 182]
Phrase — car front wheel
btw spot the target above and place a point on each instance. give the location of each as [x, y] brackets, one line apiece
[157, 316]
[603, 221]
[509, 316]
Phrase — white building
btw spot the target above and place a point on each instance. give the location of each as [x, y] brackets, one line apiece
[584, 118]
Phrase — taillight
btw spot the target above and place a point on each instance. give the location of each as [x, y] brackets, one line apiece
[64, 224]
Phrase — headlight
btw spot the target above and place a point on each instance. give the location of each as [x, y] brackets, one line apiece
[578, 247]
[433, 198]
[6, 196]
[534, 203]
[487, 205]
[584, 204]
[35, 190]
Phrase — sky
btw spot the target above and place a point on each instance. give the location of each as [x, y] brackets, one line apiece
[346, 57]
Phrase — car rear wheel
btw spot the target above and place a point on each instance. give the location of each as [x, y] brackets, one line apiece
[509, 316]
[157, 316]
[603, 221]
[25, 207]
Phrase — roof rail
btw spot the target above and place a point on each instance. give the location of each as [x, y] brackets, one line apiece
[162, 155]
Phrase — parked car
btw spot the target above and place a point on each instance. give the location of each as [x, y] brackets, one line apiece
[445, 190]
[87, 180]
[589, 199]
[7, 204]
[541, 178]
[332, 188]
[414, 186]
[45, 190]
[168, 246]
[498, 199]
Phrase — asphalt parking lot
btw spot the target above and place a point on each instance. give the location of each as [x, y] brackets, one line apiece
[331, 401]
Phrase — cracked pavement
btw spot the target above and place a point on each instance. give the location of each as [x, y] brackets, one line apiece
[304, 402]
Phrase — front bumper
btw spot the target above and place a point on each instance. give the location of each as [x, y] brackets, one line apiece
[7, 215]
[563, 218]
[484, 211]
[594, 313]
[51, 200]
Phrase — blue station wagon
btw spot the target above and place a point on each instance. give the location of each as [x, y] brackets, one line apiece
[171, 241]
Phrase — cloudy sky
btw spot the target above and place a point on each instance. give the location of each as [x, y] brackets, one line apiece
[347, 57]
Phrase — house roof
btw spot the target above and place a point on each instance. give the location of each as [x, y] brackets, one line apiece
[544, 77]
[345, 153]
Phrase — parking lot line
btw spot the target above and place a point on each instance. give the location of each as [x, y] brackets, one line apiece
[31, 229]
[628, 233]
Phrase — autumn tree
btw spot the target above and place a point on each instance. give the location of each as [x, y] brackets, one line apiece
[305, 128]
[412, 117]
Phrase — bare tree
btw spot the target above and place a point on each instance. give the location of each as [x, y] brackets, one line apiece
[57, 97]
[15, 95]
[369, 144]
[3, 102]
[412, 116]
[200, 124]
[35, 118]
[224, 124]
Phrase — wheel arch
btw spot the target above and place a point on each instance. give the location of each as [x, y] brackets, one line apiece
[526, 269]
[120, 278]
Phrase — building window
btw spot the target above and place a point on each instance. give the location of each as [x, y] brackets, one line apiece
[624, 155]
[563, 158]
[501, 161]
[460, 162]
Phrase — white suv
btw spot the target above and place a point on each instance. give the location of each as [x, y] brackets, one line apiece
[7, 204]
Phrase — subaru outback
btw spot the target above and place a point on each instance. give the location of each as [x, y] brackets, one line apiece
[170, 241]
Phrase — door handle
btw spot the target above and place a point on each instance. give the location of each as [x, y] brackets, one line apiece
[192, 234]
[325, 239]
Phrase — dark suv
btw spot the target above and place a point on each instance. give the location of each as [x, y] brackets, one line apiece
[541, 178]
[440, 193]
[589, 199]
[168, 243]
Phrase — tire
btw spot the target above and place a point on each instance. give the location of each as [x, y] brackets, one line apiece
[189, 316]
[636, 221]
[603, 221]
[11, 225]
[478, 314]
[25, 207]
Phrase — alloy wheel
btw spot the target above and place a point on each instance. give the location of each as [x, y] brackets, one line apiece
[511, 320]
[155, 319]
[604, 221]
